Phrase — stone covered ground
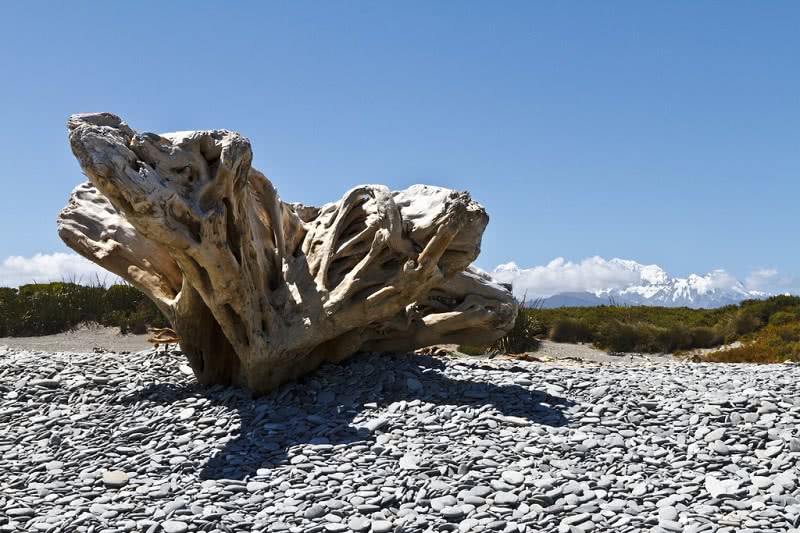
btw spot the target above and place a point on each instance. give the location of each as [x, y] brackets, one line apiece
[127, 442]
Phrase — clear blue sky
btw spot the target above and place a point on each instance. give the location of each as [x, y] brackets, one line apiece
[665, 132]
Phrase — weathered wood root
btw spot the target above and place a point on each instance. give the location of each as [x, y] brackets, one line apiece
[261, 291]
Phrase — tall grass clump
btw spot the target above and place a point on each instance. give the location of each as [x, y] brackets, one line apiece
[521, 338]
[571, 330]
[617, 336]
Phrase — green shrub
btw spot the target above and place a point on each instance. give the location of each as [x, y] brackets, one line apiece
[705, 337]
[47, 308]
[661, 329]
[130, 310]
[643, 338]
[671, 339]
[122, 298]
[571, 330]
[746, 322]
[8, 304]
[780, 318]
[619, 337]
[763, 309]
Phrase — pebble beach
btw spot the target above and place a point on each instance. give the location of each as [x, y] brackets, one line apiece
[112, 442]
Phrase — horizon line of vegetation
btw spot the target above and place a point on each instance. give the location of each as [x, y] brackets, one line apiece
[39, 309]
[768, 330]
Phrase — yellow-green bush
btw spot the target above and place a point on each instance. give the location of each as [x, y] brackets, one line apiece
[771, 344]
[783, 317]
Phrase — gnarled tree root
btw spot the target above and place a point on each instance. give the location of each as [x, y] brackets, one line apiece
[261, 291]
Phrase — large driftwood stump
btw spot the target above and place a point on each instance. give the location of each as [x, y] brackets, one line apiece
[261, 291]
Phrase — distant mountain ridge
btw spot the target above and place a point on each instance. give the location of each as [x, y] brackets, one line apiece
[649, 285]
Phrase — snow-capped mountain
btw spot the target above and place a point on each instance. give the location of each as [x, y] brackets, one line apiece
[596, 281]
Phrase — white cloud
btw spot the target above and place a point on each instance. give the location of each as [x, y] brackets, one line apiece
[41, 268]
[760, 278]
[595, 274]
[560, 275]
[720, 279]
[770, 280]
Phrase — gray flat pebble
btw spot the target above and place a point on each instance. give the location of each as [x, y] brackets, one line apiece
[381, 526]
[115, 479]
[505, 498]
[513, 477]
[174, 526]
[359, 523]
[668, 513]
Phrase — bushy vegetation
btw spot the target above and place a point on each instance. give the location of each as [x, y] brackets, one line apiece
[647, 338]
[46, 308]
[661, 329]
[775, 343]
[765, 326]
[570, 330]
[769, 330]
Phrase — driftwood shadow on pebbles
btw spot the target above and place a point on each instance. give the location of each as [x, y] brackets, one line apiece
[333, 406]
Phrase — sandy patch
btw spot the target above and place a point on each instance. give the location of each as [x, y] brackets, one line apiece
[83, 339]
